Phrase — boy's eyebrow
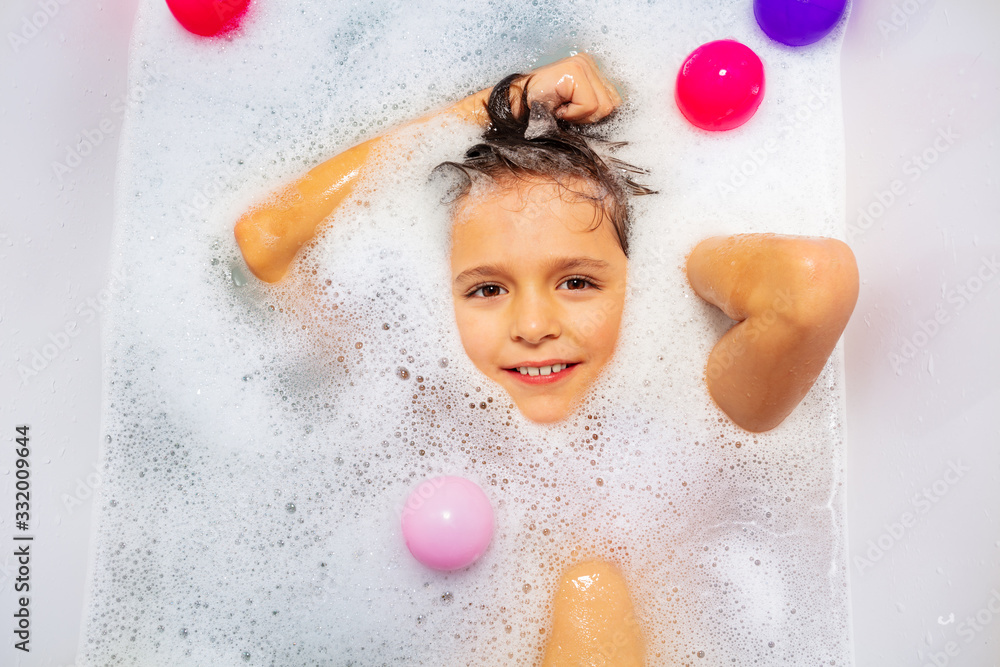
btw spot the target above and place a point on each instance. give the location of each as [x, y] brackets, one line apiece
[557, 264]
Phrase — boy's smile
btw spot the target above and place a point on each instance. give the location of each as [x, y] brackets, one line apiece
[538, 292]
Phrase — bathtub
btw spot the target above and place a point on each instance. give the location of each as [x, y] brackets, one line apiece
[921, 103]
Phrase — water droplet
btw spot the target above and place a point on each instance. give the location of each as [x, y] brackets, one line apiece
[107, 438]
[290, 508]
[236, 274]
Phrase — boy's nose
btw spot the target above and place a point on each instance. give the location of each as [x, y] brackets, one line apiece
[535, 318]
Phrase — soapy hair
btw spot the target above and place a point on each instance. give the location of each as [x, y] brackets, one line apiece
[536, 144]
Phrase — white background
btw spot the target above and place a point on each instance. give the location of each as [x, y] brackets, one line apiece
[921, 82]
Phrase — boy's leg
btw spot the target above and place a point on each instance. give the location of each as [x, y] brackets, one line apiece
[593, 622]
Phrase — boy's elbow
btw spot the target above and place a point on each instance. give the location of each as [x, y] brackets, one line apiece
[256, 254]
[829, 286]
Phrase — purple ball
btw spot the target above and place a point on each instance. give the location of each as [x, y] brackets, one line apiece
[798, 22]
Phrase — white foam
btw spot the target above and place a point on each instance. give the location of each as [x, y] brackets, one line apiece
[227, 402]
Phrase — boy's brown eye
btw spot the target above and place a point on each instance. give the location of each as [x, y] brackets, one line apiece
[576, 283]
[488, 291]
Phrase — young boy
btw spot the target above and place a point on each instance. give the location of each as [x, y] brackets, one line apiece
[538, 259]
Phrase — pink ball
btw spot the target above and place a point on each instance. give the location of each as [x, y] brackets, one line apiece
[447, 523]
[720, 85]
[208, 17]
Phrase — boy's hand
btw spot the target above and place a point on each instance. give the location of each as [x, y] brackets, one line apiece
[573, 88]
[792, 297]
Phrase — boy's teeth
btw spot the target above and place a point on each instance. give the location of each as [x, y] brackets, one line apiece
[543, 370]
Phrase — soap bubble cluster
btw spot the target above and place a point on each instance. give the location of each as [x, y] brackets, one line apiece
[263, 438]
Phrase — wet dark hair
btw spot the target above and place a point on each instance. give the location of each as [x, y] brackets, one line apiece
[534, 143]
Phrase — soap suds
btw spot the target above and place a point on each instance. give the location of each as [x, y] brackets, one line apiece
[262, 441]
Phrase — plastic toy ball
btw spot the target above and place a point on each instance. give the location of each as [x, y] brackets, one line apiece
[447, 523]
[798, 22]
[720, 85]
[208, 17]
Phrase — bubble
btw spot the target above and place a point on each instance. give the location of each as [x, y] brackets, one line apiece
[402, 373]
[290, 508]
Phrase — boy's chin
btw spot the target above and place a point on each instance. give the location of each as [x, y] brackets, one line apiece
[544, 410]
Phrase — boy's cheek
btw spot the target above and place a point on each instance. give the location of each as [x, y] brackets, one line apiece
[596, 328]
[475, 331]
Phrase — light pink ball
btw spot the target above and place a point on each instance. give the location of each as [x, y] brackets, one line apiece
[447, 523]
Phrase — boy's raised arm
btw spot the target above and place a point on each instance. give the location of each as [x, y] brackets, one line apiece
[792, 297]
[271, 233]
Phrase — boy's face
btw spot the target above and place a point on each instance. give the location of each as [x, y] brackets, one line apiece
[537, 289]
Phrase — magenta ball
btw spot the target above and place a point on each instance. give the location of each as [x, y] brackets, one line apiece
[798, 22]
[720, 85]
[208, 17]
[447, 523]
